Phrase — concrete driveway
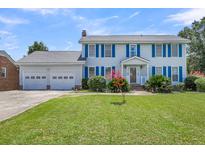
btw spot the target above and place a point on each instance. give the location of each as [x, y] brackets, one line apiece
[15, 102]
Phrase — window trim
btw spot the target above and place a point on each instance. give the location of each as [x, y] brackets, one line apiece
[131, 50]
[156, 50]
[5, 69]
[89, 50]
[110, 50]
[177, 73]
[89, 72]
[177, 50]
[106, 71]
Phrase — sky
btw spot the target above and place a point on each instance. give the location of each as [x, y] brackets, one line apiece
[60, 29]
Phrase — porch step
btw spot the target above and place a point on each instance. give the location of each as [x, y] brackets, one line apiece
[136, 87]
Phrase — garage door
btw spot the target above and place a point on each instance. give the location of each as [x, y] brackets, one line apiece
[62, 80]
[34, 80]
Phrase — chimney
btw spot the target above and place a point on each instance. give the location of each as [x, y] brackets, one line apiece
[84, 33]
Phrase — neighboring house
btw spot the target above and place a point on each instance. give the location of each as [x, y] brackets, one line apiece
[9, 76]
[137, 57]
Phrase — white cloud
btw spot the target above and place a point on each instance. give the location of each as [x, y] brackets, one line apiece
[186, 17]
[42, 11]
[133, 15]
[69, 45]
[13, 21]
[8, 41]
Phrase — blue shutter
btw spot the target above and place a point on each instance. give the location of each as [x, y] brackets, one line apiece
[180, 74]
[164, 50]
[164, 71]
[169, 72]
[113, 50]
[169, 50]
[102, 70]
[138, 50]
[113, 68]
[97, 70]
[153, 50]
[127, 50]
[102, 50]
[153, 70]
[180, 50]
[86, 72]
[86, 50]
[97, 50]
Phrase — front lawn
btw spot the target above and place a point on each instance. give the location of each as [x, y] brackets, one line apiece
[159, 119]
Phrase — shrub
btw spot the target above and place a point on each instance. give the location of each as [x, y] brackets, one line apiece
[189, 83]
[97, 83]
[85, 83]
[200, 84]
[178, 87]
[158, 83]
[114, 84]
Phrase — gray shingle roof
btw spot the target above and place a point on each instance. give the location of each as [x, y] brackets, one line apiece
[53, 57]
[133, 39]
[5, 54]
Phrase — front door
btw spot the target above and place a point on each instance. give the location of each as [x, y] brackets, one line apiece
[133, 76]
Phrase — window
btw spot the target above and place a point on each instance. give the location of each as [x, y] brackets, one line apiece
[158, 70]
[38, 77]
[60, 77]
[65, 77]
[91, 72]
[3, 72]
[32, 77]
[108, 51]
[43, 77]
[91, 50]
[108, 72]
[133, 50]
[26, 77]
[158, 50]
[54, 77]
[71, 77]
[174, 50]
[174, 74]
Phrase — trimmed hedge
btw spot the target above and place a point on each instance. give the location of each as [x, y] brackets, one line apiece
[97, 83]
[200, 84]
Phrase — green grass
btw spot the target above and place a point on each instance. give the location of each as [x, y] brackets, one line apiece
[159, 119]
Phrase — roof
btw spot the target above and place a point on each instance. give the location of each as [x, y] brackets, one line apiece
[133, 39]
[5, 54]
[50, 57]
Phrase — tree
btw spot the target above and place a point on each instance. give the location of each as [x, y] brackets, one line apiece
[37, 46]
[196, 50]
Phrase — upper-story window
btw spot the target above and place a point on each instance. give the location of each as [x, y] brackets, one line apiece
[133, 50]
[108, 50]
[3, 72]
[92, 50]
[158, 70]
[174, 74]
[91, 72]
[174, 50]
[158, 50]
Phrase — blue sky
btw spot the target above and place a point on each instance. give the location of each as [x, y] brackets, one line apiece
[60, 29]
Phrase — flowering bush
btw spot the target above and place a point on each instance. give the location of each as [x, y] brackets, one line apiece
[118, 83]
[197, 74]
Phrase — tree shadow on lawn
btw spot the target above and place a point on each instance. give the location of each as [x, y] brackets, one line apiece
[118, 103]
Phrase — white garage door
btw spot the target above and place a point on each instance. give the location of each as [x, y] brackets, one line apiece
[35, 80]
[62, 80]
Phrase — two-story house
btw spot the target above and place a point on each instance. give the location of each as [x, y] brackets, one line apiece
[136, 57]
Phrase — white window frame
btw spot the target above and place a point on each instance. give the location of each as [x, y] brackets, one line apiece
[135, 52]
[156, 50]
[107, 75]
[175, 74]
[176, 50]
[107, 50]
[156, 70]
[89, 72]
[5, 72]
[94, 55]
